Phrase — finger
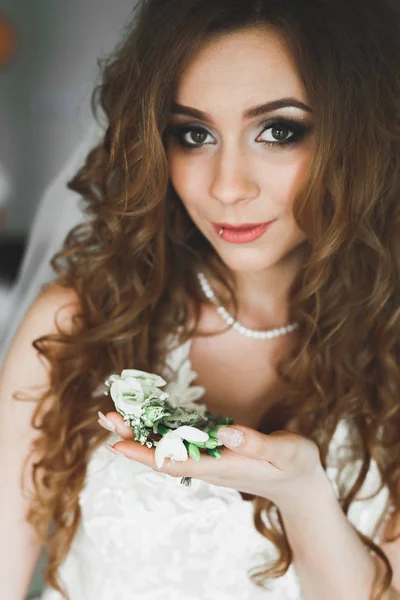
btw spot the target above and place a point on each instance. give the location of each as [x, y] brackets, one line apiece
[140, 452]
[113, 421]
[146, 456]
[208, 466]
[135, 451]
[276, 448]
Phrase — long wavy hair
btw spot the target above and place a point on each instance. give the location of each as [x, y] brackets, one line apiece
[132, 262]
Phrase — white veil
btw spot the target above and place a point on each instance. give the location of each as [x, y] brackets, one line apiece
[58, 212]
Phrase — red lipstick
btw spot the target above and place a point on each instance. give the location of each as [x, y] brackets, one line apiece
[243, 233]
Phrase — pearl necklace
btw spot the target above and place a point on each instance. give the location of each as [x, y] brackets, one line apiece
[252, 333]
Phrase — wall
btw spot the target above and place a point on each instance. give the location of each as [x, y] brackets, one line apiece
[45, 94]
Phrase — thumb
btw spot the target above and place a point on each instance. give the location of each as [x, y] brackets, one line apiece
[274, 447]
[231, 436]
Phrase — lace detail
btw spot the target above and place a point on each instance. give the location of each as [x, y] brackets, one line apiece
[179, 388]
[144, 536]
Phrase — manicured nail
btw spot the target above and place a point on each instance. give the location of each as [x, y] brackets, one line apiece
[106, 423]
[113, 450]
[231, 436]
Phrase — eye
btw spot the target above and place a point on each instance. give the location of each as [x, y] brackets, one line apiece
[279, 133]
[284, 132]
[198, 136]
[189, 136]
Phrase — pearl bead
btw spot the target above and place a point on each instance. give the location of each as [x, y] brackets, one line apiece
[251, 333]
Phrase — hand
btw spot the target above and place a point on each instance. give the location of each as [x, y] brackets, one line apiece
[279, 466]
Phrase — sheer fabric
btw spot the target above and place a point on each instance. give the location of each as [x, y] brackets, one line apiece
[60, 209]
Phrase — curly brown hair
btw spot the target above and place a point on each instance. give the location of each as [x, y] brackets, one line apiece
[133, 261]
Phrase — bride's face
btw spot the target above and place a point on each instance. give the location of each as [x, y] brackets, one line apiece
[236, 168]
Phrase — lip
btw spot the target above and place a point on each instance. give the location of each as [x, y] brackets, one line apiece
[243, 234]
[240, 226]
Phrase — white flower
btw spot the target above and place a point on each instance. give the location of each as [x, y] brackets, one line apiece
[171, 444]
[128, 396]
[191, 434]
[132, 388]
[147, 378]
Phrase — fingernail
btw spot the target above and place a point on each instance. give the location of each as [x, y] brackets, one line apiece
[230, 435]
[113, 450]
[106, 423]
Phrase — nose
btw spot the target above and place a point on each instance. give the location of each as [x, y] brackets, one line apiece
[232, 181]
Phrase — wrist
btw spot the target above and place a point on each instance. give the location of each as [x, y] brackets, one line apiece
[309, 498]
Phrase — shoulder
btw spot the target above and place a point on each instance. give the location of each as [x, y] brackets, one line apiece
[54, 297]
[24, 373]
[54, 307]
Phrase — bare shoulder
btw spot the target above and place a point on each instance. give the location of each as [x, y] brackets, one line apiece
[54, 303]
[23, 369]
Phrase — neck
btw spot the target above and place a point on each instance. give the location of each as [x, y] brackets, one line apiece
[263, 295]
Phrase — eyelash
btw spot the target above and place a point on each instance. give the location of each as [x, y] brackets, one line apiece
[299, 132]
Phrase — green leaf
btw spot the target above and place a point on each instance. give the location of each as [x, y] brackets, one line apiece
[215, 453]
[213, 432]
[211, 443]
[199, 444]
[194, 452]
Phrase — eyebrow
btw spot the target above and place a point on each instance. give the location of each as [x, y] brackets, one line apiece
[254, 111]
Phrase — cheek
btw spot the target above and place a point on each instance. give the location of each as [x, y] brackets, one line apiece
[187, 178]
[284, 181]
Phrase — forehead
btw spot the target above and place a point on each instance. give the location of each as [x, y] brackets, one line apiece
[240, 68]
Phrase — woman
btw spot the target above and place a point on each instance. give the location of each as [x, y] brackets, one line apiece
[251, 159]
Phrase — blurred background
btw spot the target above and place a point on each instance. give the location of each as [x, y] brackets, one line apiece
[48, 69]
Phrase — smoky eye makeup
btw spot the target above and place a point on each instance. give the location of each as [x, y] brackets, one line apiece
[283, 132]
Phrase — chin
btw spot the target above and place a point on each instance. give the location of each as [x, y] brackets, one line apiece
[248, 260]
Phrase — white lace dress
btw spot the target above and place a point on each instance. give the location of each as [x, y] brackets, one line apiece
[144, 536]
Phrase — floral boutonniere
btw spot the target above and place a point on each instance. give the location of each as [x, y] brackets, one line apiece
[175, 432]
